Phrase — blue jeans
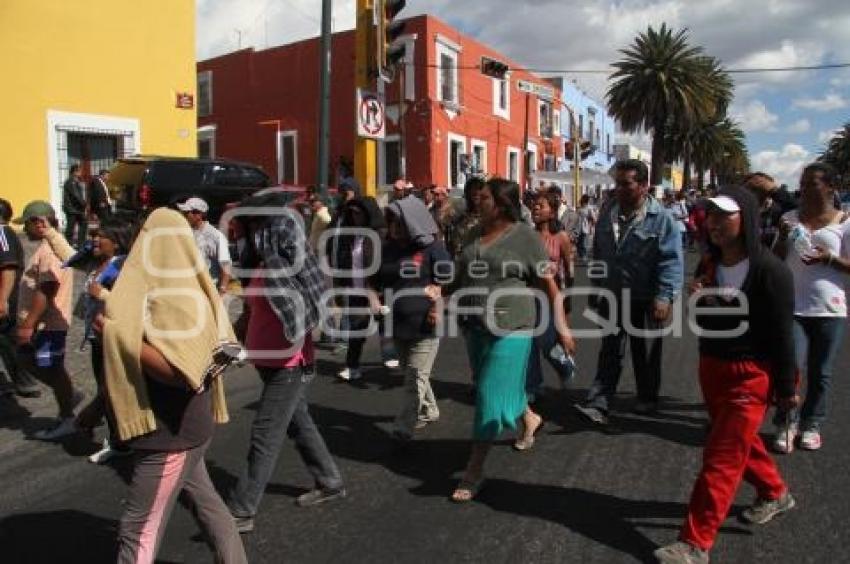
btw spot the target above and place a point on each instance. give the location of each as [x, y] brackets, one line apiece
[541, 344]
[817, 341]
[282, 411]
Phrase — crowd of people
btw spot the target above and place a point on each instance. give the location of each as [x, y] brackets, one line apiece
[499, 262]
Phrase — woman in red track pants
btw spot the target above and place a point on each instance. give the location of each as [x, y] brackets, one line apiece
[746, 361]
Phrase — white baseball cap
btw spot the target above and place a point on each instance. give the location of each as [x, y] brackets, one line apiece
[194, 204]
[725, 204]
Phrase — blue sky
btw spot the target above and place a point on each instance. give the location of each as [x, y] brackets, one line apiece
[787, 116]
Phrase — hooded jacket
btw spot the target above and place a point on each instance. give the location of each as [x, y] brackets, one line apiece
[409, 266]
[767, 313]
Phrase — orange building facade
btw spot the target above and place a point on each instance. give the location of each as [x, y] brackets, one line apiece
[445, 119]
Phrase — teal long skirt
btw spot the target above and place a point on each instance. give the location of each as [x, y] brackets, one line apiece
[499, 365]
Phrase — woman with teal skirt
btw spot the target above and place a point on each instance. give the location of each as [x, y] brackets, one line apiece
[497, 270]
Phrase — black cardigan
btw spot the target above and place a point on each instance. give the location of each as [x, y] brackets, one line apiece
[769, 289]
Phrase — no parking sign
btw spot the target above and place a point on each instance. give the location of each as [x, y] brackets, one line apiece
[371, 117]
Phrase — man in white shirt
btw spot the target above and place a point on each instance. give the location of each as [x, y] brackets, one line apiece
[211, 242]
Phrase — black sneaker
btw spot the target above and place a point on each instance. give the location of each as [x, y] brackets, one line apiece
[645, 407]
[593, 414]
[243, 524]
[318, 496]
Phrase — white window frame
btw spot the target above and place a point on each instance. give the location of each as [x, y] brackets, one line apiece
[409, 69]
[208, 133]
[518, 153]
[205, 76]
[59, 123]
[478, 143]
[556, 123]
[497, 110]
[279, 157]
[445, 46]
[453, 138]
[382, 158]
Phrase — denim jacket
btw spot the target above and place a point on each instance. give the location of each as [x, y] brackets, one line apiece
[648, 259]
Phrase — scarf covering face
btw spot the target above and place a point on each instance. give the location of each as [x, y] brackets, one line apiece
[292, 278]
[295, 291]
[166, 297]
[421, 227]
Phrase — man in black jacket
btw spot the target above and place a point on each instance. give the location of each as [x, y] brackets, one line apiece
[100, 202]
[74, 206]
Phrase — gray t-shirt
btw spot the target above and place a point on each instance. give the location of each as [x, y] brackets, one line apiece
[511, 263]
[213, 246]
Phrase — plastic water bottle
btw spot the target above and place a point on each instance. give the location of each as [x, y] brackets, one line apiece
[565, 362]
[801, 240]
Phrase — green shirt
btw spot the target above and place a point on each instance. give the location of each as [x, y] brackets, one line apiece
[513, 262]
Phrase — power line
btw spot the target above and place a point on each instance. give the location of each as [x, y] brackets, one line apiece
[599, 71]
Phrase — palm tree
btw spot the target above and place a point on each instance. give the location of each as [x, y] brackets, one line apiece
[682, 135]
[660, 78]
[719, 146]
[837, 153]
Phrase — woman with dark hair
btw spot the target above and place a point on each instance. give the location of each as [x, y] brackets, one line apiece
[469, 219]
[498, 335]
[355, 253]
[559, 248]
[814, 240]
[102, 257]
[746, 301]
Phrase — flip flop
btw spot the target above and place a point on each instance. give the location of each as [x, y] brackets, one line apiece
[472, 487]
[526, 443]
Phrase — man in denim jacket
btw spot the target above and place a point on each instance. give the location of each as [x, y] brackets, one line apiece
[637, 254]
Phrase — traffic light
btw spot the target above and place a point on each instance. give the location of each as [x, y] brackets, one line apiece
[493, 68]
[569, 149]
[585, 149]
[390, 50]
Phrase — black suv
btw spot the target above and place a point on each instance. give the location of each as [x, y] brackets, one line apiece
[141, 183]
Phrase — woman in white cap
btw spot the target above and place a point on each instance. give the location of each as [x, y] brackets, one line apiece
[746, 359]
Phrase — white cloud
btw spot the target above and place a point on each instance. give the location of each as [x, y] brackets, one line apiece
[825, 136]
[788, 54]
[754, 116]
[785, 165]
[799, 126]
[223, 25]
[830, 102]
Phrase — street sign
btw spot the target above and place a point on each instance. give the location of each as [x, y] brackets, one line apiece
[371, 115]
[184, 100]
[536, 89]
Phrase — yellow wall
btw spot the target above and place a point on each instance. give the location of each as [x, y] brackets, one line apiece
[116, 58]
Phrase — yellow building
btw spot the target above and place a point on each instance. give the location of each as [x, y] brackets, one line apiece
[90, 81]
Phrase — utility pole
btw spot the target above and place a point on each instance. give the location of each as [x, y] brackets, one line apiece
[325, 103]
[365, 150]
[402, 159]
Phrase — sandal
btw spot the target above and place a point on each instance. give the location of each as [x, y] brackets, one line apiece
[526, 443]
[467, 490]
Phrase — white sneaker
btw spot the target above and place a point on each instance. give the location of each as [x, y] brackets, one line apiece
[785, 436]
[391, 363]
[107, 453]
[810, 440]
[64, 428]
[349, 374]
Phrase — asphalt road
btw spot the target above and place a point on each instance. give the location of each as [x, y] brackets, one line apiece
[581, 495]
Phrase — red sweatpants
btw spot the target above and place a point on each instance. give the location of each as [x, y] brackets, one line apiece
[736, 395]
